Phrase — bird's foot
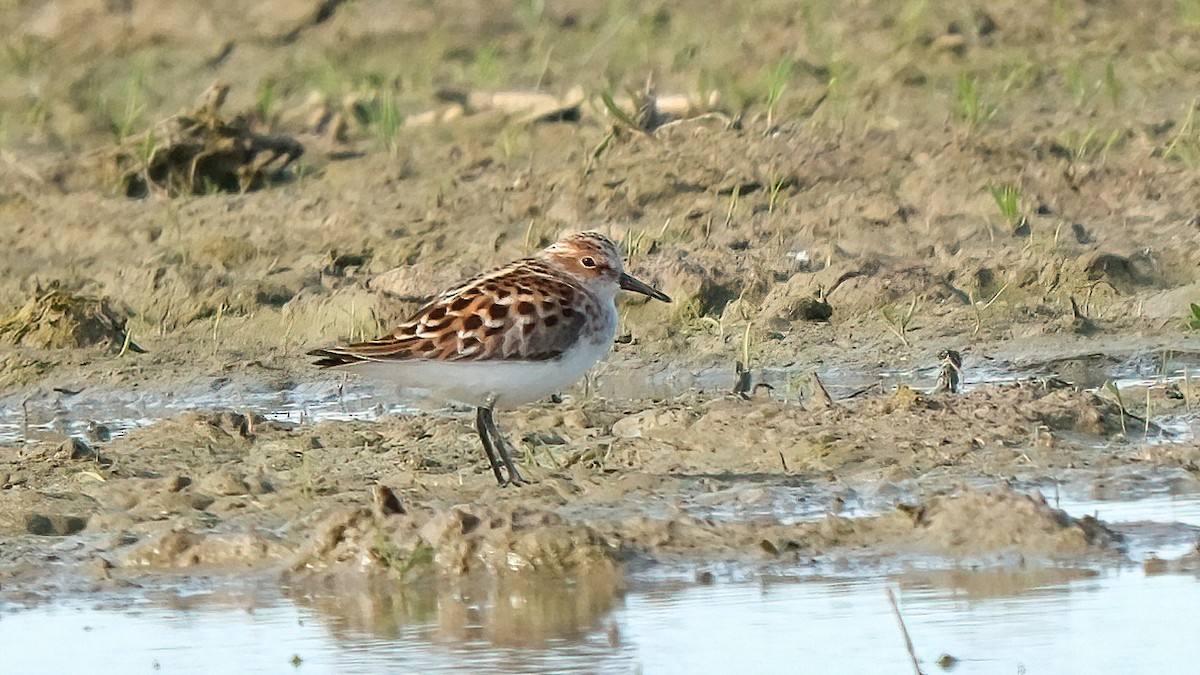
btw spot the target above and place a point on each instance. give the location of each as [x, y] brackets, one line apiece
[515, 479]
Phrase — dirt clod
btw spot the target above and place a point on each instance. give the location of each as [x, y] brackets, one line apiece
[201, 152]
[985, 521]
[58, 319]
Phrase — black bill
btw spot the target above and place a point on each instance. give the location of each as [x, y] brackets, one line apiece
[631, 284]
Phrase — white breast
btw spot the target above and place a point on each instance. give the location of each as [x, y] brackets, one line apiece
[509, 383]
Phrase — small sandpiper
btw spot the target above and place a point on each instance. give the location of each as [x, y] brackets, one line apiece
[507, 337]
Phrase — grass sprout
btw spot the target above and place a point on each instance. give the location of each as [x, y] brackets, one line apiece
[734, 198]
[1184, 146]
[1194, 320]
[776, 192]
[743, 381]
[1008, 200]
[971, 107]
[980, 307]
[388, 119]
[267, 100]
[606, 96]
[24, 53]
[1111, 387]
[901, 323]
[1091, 144]
[635, 241]
[485, 69]
[1112, 85]
[1189, 12]
[776, 81]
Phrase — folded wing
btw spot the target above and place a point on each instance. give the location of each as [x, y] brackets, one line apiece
[523, 312]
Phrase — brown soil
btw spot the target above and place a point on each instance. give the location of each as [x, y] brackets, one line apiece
[851, 225]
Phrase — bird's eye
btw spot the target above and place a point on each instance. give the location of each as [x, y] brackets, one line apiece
[588, 262]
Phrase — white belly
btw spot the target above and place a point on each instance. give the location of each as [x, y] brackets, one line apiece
[509, 383]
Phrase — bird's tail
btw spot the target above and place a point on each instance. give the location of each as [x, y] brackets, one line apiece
[328, 358]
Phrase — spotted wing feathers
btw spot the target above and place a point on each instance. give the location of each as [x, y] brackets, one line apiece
[523, 312]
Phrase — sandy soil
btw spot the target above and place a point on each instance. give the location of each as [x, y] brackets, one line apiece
[828, 201]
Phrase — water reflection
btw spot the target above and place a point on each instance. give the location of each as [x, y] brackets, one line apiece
[985, 584]
[1060, 620]
[519, 611]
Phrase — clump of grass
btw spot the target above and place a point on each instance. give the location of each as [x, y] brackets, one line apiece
[37, 115]
[634, 244]
[1111, 387]
[1091, 144]
[691, 318]
[122, 110]
[775, 195]
[1185, 146]
[267, 100]
[1008, 200]
[1193, 321]
[912, 20]
[513, 142]
[485, 68]
[24, 54]
[1073, 77]
[734, 197]
[531, 11]
[979, 307]
[1187, 383]
[306, 477]
[128, 116]
[216, 329]
[743, 380]
[1147, 413]
[776, 82]
[1189, 12]
[361, 326]
[621, 116]
[971, 107]
[387, 119]
[901, 323]
[147, 149]
[1112, 85]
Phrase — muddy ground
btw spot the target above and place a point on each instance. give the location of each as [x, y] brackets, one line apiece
[847, 190]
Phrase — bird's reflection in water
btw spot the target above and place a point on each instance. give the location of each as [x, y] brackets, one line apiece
[507, 610]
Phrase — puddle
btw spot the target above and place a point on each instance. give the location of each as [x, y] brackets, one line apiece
[1158, 509]
[1038, 620]
[1164, 526]
[1152, 521]
[1088, 371]
[118, 411]
[995, 621]
[65, 413]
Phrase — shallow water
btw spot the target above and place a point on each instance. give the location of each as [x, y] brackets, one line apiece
[121, 410]
[1154, 525]
[1060, 620]
[66, 413]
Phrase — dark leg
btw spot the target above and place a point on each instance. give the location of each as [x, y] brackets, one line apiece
[482, 418]
[503, 446]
